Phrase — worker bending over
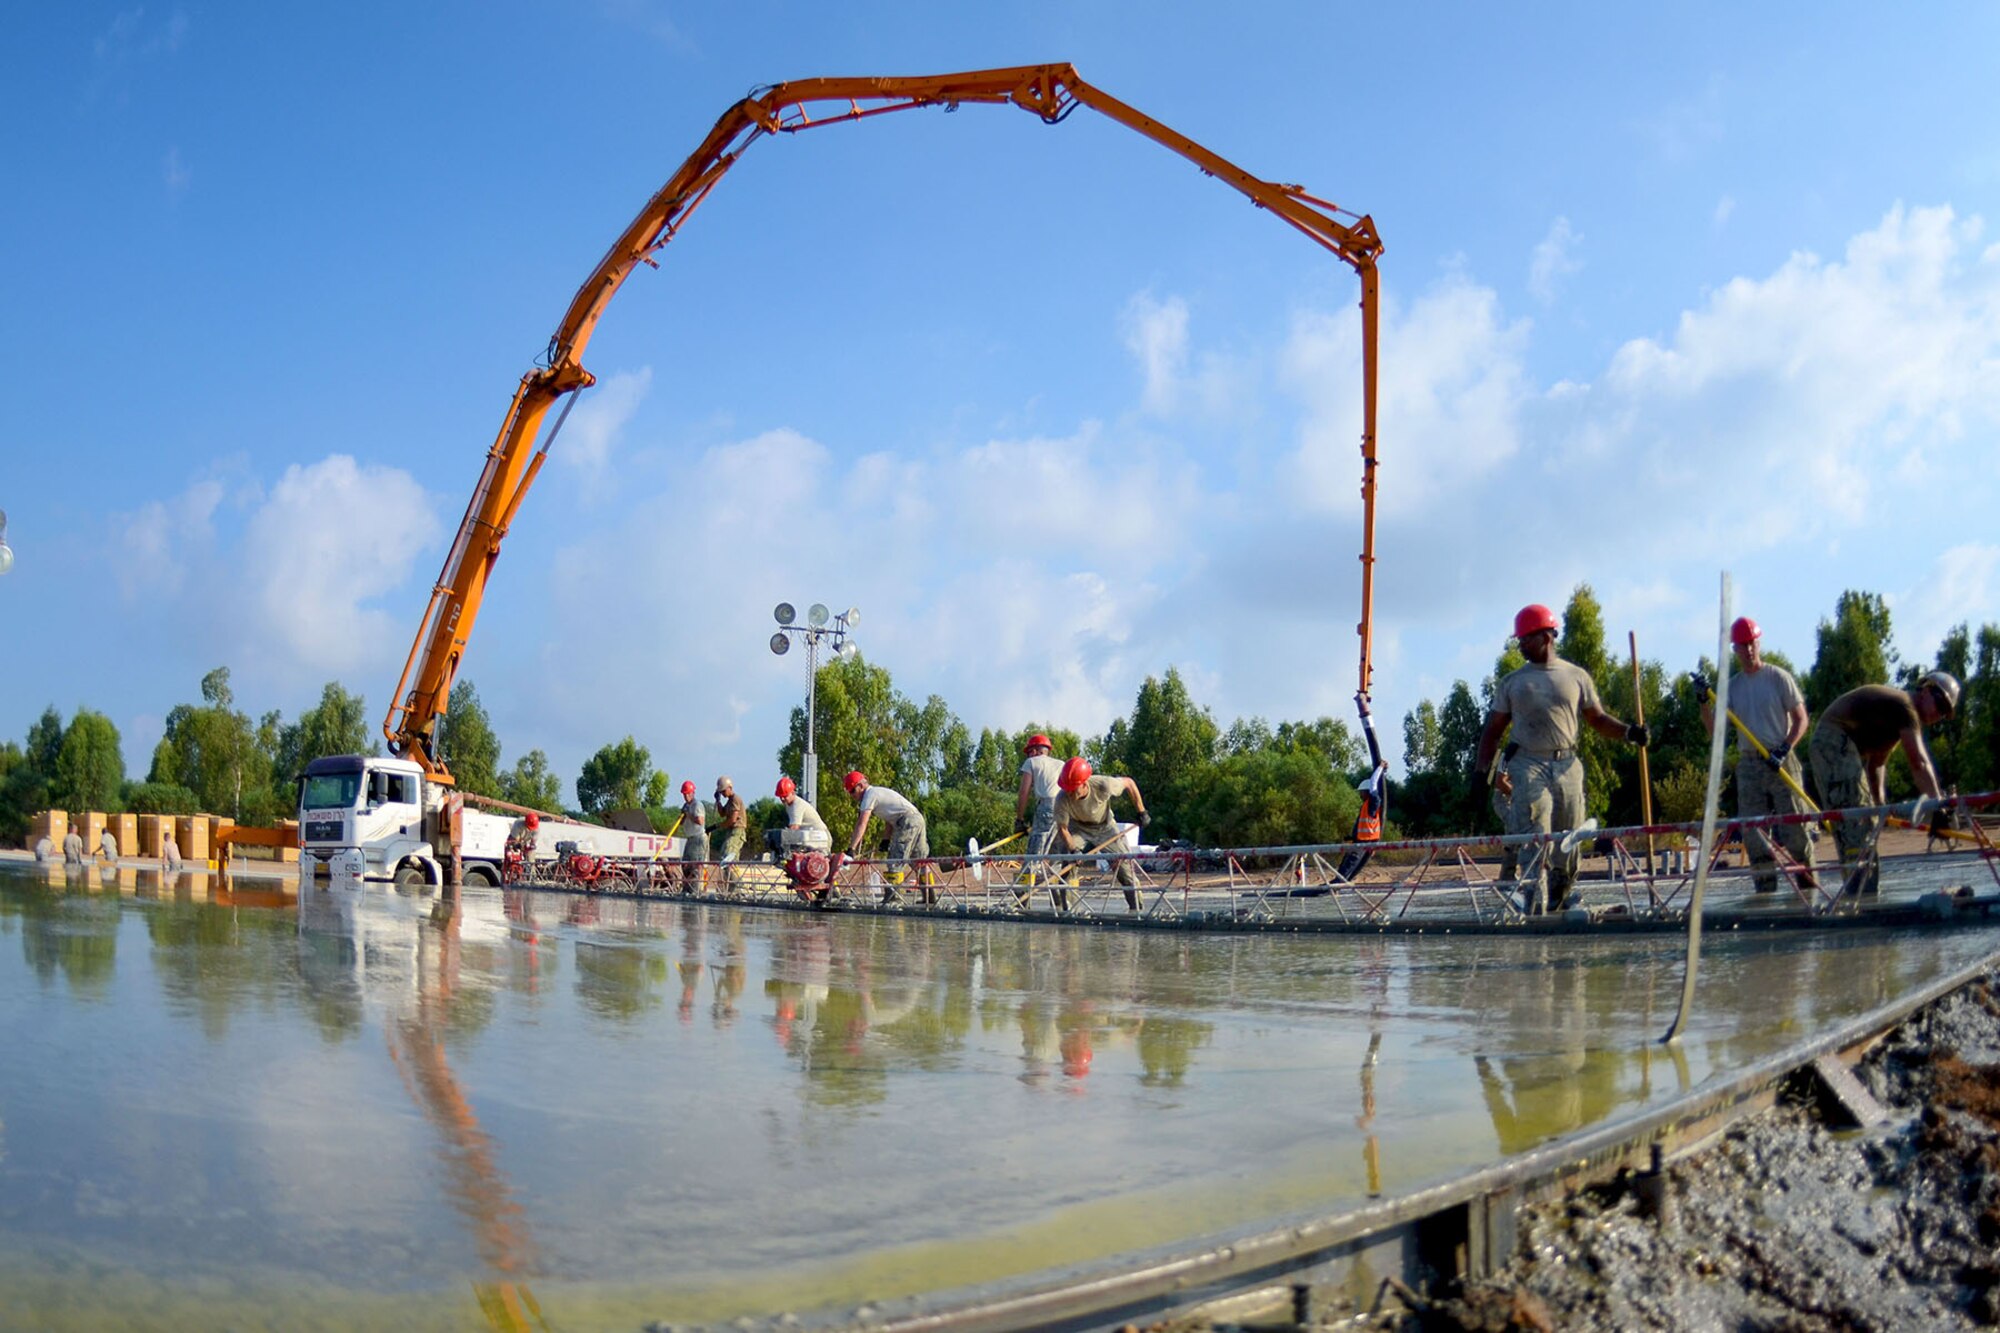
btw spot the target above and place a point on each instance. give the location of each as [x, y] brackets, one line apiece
[800, 817]
[1083, 822]
[1545, 700]
[909, 839]
[1850, 757]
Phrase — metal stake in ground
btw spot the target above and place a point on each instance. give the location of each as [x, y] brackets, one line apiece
[1645, 777]
[1715, 748]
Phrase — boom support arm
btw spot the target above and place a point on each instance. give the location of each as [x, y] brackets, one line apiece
[512, 463]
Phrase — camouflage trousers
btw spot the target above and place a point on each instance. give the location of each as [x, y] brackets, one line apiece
[1761, 791]
[729, 844]
[1842, 780]
[1548, 798]
[910, 840]
[1043, 829]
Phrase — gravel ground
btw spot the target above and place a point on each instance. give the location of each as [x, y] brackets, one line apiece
[1787, 1225]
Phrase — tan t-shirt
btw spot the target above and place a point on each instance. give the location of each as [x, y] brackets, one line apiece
[1874, 718]
[1764, 700]
[1092, 805]
[1547, 702]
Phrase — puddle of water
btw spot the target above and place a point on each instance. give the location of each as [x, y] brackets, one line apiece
[372, 1109]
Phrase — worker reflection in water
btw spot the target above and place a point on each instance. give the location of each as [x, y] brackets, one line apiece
[734, 818]
[909, 839]
[1850, 754]
[1084, 823]
[1544, 701]
[1766, 700]
[694, 835]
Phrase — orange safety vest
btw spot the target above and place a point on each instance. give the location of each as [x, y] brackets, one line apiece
[1368, 825]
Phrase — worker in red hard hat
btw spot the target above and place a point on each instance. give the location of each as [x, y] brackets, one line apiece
[909, 838]
[1084, 822]
[1545, 702]
[1041, 774]
[1766, 700]
[800, 819]
[693, 828]
[1850, 756]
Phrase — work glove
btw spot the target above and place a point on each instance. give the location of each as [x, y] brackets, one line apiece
[1020, 823]
[1144, 819]
[1778, 753]
[1639, 734]
[1703, 686]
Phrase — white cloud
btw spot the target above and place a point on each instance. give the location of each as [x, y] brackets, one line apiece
[1156, 334]
[1553, 260]
[1725, 209]
[1958, 587]
[599, 420]
[285, 593]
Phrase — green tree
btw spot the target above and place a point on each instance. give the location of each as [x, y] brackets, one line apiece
[90, 767]
[1854, 649]
[1422, 738]
[858, 723]
[21, 790]
[615, 778]
[532, 783]
[1583, 643]
[1979, 748]
[213, 751]
[160, 798]
[1270, 797]
[45, 742]
[465, 737]
[1164, 748]
[338, 724]
[1947, 739]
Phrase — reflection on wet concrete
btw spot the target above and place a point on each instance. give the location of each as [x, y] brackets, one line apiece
[657, 1110]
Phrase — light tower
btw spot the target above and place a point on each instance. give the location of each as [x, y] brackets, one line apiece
[839, 637]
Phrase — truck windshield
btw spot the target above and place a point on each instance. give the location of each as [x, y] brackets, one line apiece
[330, 791]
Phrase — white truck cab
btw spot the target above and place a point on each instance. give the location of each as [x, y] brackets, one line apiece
[366, 817]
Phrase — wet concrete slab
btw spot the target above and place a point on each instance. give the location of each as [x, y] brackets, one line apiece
[379, 1108]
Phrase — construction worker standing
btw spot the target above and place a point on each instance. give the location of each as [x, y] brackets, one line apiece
[1084, 823]
[1041, 779]
[734, 818]
[1545, 701]
[1850, 757]
[694, 836]
[909, 839]
[1766, 701]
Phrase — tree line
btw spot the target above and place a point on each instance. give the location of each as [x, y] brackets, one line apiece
[1854, 646]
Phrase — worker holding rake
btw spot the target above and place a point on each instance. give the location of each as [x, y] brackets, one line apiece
[1767, 703]
[1084, 822]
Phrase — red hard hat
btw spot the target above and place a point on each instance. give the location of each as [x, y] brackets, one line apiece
[785, 788]
[1533, 619]
[1037, 739]
[534, 820]
[687, 789]
[855, 781]
[1075, 773]
[1744, 631]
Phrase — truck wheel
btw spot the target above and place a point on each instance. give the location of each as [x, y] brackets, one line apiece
[409, 876]
[481, 877]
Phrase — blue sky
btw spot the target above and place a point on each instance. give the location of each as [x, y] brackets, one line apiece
[1666, 293]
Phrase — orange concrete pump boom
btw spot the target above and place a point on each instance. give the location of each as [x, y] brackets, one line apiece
[1049, 91]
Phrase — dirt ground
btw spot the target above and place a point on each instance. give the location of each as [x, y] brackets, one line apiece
[1786, 1225]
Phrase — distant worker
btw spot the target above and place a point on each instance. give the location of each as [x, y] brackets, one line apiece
[1545, 700]
[1850, 756]
[909, 838]
[800, 817]
[45, 849]
[1041, 783]
[170, 853]
[1084, 822]
[694, 838]
[1768, 702]
[735, 820]
[73, 848]
[107, 846]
